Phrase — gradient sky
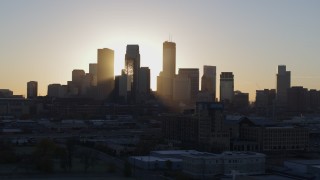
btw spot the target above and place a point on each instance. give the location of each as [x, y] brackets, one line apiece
[44, 40]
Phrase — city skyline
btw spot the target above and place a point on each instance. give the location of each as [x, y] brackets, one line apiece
[45, 46]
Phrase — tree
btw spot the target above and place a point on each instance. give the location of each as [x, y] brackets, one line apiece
[127, 171]
[61, 154]
[111, 167]
[169, 164]
[44, 154]
[70, 152]
[88, 158]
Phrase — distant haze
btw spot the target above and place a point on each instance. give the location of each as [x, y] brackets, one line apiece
[44, 40]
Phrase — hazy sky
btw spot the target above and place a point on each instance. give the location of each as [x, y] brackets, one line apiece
[44, 40]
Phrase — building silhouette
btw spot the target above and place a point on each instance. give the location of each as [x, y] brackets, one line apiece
[283, 84]
[144, 80]
[264, 103]
[193, 75]
[132, 67]
[121, 87]
[240, 100]
[167, 75]
[105, 72]
[32, 89]
[297, 99]
[181, 89]
[208, 81]
[93, 70]
[78, 76]
[226, 87]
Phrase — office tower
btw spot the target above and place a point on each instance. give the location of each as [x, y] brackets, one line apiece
[165, 78]
[77, 79]
[169, 58]
[132, 66]
[86, 84]
[193, 75]
[297, 99]
[181, 89]
[54, 90]
[121, 87]
[93, 69]
[283, 83]
[105, 72]
[32, 89]
[240, 99]
[264, 103]
[314, 97]
[78, 75]
[144, 80]
[5, 93]
[226, 87]
[208, 81]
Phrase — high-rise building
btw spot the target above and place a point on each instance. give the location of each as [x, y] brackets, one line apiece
[105, 72]
[283, 84]
[208, 81]
[297, 99]
[264, 103]
[169, 58]
[240, 99]
[121, 87]
[87, 83]
[193, 75]
[166, 76]
[144, 80]
[54, 90]
[181, 89]
[132, 67]
[93, 69]
[314, 99]
[32, 89]
[5, 93]
[226, 87]
[78, 76]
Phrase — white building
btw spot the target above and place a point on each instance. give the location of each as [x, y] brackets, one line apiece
[202, 165]
[208, 165]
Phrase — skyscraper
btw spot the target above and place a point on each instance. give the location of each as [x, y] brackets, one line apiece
[181, 89]
[193, 75]
[165, 78]
[105, 72]
[32, 89]
[208, 81]
[226, 87]
[283, 84]
[169, 58]
[78, 76]
[121, 87]
[132, 67]
[144, 81]
[93, 69]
